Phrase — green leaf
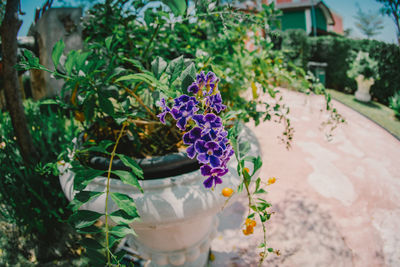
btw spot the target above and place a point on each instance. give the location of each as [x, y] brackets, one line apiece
[128, 178]
[244, 148]
[121, 217]
[70, 61]
[188, 76]
[134, 62]
[258, 181]
[108, 42]
[81, 60]
[81, 198]
[139, 77]
[158, 65]
[32, 60]
[89, 230]
[240, 188]
[131, 163]
[90, 243]
[118, 257]
[58, 49]
[48, 102]
[106, 105]
[175, 68]
[84, 218]
[125, 203]
[84, 176]
[96, 258]
[178, 7]
[257, 162]
[112, 239]
[122, 231]
[270, 250]
[88, 108]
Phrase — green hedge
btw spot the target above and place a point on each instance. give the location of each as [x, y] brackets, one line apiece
[336, 51]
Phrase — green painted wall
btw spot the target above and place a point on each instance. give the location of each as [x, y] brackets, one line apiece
[320, 18]
[294, 20]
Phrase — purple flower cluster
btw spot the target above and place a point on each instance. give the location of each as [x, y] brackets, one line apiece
[207, 139]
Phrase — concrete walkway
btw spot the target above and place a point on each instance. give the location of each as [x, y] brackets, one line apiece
[337, 203]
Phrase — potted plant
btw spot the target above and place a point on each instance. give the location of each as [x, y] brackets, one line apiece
[365, 71]
[160, 135]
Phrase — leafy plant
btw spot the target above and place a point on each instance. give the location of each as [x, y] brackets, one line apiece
[33, 191]
[394, 103]
[363, 65]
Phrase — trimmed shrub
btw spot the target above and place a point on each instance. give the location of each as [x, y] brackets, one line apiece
[337, 51]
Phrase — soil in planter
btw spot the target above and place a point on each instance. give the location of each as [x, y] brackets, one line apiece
[139, 142]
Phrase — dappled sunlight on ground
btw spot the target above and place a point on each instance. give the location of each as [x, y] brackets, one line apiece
[337, 202]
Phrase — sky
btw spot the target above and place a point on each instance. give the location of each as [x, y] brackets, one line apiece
[346, 8]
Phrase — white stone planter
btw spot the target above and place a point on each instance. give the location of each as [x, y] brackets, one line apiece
[178, 215]
[363, 87]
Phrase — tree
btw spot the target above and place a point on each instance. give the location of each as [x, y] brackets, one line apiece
[370, 24]
[9, 30]
[392, 9]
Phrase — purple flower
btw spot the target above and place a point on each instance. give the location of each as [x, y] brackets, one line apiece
[183, 113]
[227, 154]
[183, 99]
[208, 121]
[190, 138]
[207, 139]
[165, 110]
[214, 175]
[194, 88]
[208, 82]
[215, 102]
[209, 152]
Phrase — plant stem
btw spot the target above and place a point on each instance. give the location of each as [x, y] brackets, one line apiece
[108, 192]
[150, 42]
[138, 99]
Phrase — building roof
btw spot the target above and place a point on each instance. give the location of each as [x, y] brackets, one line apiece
[305, 4]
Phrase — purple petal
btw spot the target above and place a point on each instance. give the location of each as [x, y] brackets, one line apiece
[162, 116]
[176, 113]
[191, 152]
[195, 133]
[218, 152]
[211, 145]
[208, 182]
[214, 161]
[211, 77]
[210, 117]
[193, 88]
[199, 119]
[187, 140]
[217, 180]
[203, 158]
[181, 123]
[205, 170]
[199, 145]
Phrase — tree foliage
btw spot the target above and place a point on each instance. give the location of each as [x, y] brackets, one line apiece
[392, 9]
[369, 23]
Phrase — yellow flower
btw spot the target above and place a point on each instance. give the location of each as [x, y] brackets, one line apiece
[250, 223]
[2, 145]
[271, 180]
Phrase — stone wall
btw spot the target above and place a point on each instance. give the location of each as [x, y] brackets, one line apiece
[55, 24]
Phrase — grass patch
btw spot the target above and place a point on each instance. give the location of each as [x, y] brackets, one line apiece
[381, 114]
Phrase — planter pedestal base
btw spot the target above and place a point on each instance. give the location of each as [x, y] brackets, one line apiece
[195, 256]
[362, 96]
[178, 215]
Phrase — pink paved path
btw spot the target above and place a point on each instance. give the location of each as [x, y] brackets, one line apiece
[337, 203]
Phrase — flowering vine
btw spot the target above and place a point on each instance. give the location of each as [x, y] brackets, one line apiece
[207, 139]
